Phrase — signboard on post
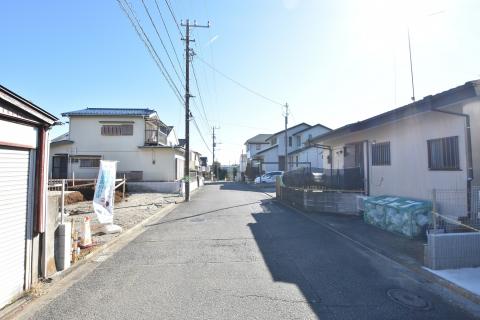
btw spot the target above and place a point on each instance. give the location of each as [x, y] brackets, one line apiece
[104, 192]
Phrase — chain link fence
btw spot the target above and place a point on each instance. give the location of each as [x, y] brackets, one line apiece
[452, 211]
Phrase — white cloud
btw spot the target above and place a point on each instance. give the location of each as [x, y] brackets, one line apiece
[214, 38]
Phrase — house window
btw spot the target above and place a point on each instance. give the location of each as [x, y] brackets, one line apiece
[274, 141]
[117, 130]
[381, 154]
[443, 154]
[298, 141]
[289, 141]
[258, 146]
[296, 161]
[89, 163]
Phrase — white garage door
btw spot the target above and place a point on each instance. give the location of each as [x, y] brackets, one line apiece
[13, 217]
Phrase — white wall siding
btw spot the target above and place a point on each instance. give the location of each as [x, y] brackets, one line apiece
[157, 164]
[409, 175]
[85, 132]
[18, 134]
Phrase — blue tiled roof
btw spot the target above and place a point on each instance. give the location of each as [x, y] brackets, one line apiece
[109, 112]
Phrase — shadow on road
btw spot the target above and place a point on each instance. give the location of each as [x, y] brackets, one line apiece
[338, 279]
[286, 244]
[240, 186]
[201, 214]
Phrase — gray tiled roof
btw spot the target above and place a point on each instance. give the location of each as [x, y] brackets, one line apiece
[63, 137]
[259, 138]
[109, 112]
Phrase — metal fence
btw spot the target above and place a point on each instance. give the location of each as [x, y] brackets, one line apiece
[326, 179]
[453, 240]
[452, 211]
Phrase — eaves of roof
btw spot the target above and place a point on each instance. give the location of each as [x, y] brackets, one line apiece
[314, 126]
[468, 90]
[267, 149]
[300, 124]
[126, 112]
[299, 150]
[27, 106]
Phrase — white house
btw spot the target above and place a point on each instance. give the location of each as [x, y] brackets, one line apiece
[304, 154]
[146, 149]
[256, 144]
[273, 156]
[430, 144]
[24, 129]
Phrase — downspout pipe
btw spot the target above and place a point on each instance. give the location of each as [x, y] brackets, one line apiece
[40, 182]
[367, 192]
[469, 153]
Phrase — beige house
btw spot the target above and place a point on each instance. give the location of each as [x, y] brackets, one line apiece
[146, 149]
[430, 144]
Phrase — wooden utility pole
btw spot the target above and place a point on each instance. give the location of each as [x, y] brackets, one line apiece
[286, 137]
[214, 145]
[188, 55]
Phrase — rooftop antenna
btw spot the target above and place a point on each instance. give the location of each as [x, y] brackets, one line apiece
[411, 65]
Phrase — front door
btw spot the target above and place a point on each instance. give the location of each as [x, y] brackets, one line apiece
[60, 167]
[354, 168]
[281, 163]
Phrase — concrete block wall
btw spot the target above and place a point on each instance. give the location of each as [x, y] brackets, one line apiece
[321, 201]
[155, 186]
[452, 250]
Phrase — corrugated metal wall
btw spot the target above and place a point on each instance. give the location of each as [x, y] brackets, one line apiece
[14, 174]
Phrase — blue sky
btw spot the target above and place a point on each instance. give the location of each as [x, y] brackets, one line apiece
[334, 62]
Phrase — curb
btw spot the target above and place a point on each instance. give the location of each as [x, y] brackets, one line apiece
[16, 308]
[419, 270]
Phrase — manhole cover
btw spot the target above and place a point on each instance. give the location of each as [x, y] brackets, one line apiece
[408, 299]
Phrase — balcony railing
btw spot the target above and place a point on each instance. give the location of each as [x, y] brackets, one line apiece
[154, 136]
[151, 136]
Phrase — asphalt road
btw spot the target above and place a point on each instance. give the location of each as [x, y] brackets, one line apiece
[232, 253]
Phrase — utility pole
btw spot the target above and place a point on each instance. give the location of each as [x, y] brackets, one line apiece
[286, 136]
[188, 55]
[214, 145]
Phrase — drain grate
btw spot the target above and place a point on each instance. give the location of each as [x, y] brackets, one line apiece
[408, 299]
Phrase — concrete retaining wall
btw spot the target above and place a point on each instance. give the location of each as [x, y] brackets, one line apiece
[452, 250]
[155, 186]
[163, 186]
[320, 201]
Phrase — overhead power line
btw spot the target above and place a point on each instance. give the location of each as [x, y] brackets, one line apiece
[135, 22]
[161, 41]
[167, 2]
[201, 136]
[151, 49]
[200, 95]
[239, 84]
[169, 37]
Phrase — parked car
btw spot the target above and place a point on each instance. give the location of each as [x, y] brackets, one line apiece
[269, 177]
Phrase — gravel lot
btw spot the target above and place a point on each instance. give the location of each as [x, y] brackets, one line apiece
[127, 213]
